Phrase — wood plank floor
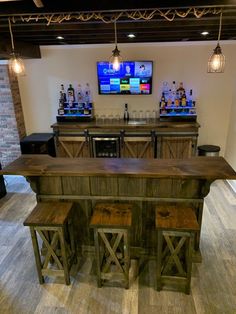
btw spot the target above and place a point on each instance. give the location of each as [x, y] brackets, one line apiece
[213, 288]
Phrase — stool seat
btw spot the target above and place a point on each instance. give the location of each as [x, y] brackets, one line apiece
[176, 217]
[112, 215]
[176, 225]
[111, 223]
[49, 214]
[52, 222]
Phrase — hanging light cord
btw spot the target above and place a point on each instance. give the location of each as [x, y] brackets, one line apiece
[12, 42]
[220, 26]
[115, 34]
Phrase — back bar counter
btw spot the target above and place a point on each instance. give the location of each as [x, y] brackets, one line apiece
[144, 182]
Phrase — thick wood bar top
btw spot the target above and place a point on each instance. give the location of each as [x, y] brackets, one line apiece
[152, 124]
[210, 168]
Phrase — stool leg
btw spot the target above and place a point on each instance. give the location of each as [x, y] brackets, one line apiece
[126, 257]
[61, 232]
[72, 240]
[189, 263]
[97, 256]
[37, 254]
[159, 259]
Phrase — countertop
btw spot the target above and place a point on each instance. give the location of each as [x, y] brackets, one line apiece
[121, 124]
[210, 168]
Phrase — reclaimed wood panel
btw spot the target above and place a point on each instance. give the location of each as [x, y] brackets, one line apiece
[137, 148]
[132, 186]
[82, 214]
[173, 188]
[176, 147]
[103, 186]
[49, 185]
[72, 147]
[75, 186]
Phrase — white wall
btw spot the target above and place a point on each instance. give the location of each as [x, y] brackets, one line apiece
[185, 62]
[230, 153]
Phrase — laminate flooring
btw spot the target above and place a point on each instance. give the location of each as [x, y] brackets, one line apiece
[213, 288]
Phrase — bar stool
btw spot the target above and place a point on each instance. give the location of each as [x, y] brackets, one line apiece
[52, 222]
[111, 224]
[176, 226]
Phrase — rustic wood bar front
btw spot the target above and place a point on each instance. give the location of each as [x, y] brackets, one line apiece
[142, 182]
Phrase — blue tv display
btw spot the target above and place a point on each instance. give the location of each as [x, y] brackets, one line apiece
[133, 78]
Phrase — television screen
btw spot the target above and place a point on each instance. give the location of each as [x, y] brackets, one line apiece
[133, 78]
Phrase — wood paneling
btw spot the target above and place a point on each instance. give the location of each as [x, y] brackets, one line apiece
[176, 147]
[138, 147]
[75, 186]
[72, 147]
[103, 186]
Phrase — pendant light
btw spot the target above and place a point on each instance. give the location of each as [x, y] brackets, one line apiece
[16, 64]
[116, 59]
[216, 63]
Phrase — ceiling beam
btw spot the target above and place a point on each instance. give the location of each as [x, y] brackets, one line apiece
[26, 50]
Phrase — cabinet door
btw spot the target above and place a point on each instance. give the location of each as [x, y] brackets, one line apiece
[137, 147]
[73, 147]
[177, 147]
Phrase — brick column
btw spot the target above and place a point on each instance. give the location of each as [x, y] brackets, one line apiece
[12, 126]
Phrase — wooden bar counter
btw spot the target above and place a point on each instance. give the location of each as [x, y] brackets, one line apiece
[144, 182]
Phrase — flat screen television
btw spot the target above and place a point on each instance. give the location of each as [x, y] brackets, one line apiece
[133, 78]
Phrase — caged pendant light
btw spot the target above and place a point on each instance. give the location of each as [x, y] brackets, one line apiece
[16, 64]
[216, 63]
[116, 59]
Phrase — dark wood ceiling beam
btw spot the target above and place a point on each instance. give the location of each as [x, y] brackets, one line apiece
[170, 33]
[25, 50]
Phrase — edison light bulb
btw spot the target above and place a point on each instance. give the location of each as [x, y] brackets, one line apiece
[216, 62]
[17, 66]
[116, 64]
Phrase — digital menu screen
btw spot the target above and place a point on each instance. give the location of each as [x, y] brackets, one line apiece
[133, 78]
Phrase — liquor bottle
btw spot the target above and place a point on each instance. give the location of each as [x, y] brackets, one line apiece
[173, 92]
[86, 108]
[177, 99]
[181, 90]
[80, 94]
[165, 89]
[87, 94]
[61, 99]
[163, 100]
[183, 100]
[190, 98]
[61, 110]
[169, 100]
[126, 113]
[63, 92]
[71, 94]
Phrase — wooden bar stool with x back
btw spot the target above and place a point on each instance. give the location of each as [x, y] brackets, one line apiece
[111, 224]
[52, 221]
[176, 225]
